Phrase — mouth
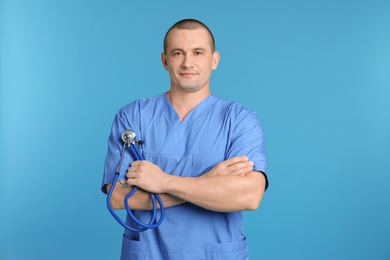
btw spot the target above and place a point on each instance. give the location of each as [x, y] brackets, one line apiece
[188, 74]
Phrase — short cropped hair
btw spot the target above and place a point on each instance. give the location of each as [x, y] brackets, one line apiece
[189, 24]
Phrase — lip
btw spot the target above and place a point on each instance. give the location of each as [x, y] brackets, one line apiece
[188, 73]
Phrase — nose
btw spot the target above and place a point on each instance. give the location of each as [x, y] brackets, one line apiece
[187, 61]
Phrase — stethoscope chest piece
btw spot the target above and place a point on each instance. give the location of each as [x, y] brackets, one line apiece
[129, 137]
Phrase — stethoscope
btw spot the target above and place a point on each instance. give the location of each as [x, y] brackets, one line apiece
[129, 140]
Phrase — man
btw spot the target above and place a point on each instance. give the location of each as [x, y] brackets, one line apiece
[205, 157]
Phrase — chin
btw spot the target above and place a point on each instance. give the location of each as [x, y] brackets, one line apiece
[190, 89]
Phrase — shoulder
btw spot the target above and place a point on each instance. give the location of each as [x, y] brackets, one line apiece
[136, 106]
[233, 108]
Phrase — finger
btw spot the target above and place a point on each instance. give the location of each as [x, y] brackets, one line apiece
[136, 166]
[243, 171]
[130, 169]
[135, 163]
[131, 172]
[240, 165]
[234, 160]
[131, 182]
[240, 168]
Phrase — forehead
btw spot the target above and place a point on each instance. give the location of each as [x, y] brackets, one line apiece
[189, 38]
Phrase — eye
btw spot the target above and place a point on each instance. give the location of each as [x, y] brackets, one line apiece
[177, 53]
[197, 53]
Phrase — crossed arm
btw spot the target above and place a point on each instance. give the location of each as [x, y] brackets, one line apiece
[230, 186]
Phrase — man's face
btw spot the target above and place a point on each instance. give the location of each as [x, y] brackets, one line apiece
[189, 59]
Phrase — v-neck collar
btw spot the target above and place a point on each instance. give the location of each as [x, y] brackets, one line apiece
[180, 129]
[198, 109]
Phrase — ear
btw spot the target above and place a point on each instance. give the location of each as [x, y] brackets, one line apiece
[164, 60]
[216, 58]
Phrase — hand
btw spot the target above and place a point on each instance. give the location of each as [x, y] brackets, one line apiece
[239, 166]
[147, 176]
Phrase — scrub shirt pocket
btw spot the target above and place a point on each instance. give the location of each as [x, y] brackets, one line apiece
[202, 163]
[133, 249]
[227, 251]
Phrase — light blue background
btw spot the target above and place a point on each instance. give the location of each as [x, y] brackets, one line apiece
[317, 73]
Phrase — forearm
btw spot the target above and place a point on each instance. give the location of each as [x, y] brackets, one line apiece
[140, 200]
[224, 193]
[230, 186]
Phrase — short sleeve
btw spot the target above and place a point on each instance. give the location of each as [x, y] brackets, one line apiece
[247, 138]
[115, 145]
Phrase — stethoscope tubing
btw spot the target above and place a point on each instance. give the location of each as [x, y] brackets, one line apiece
[143, 226]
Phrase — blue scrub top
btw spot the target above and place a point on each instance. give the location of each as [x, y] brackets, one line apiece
[212, 132]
